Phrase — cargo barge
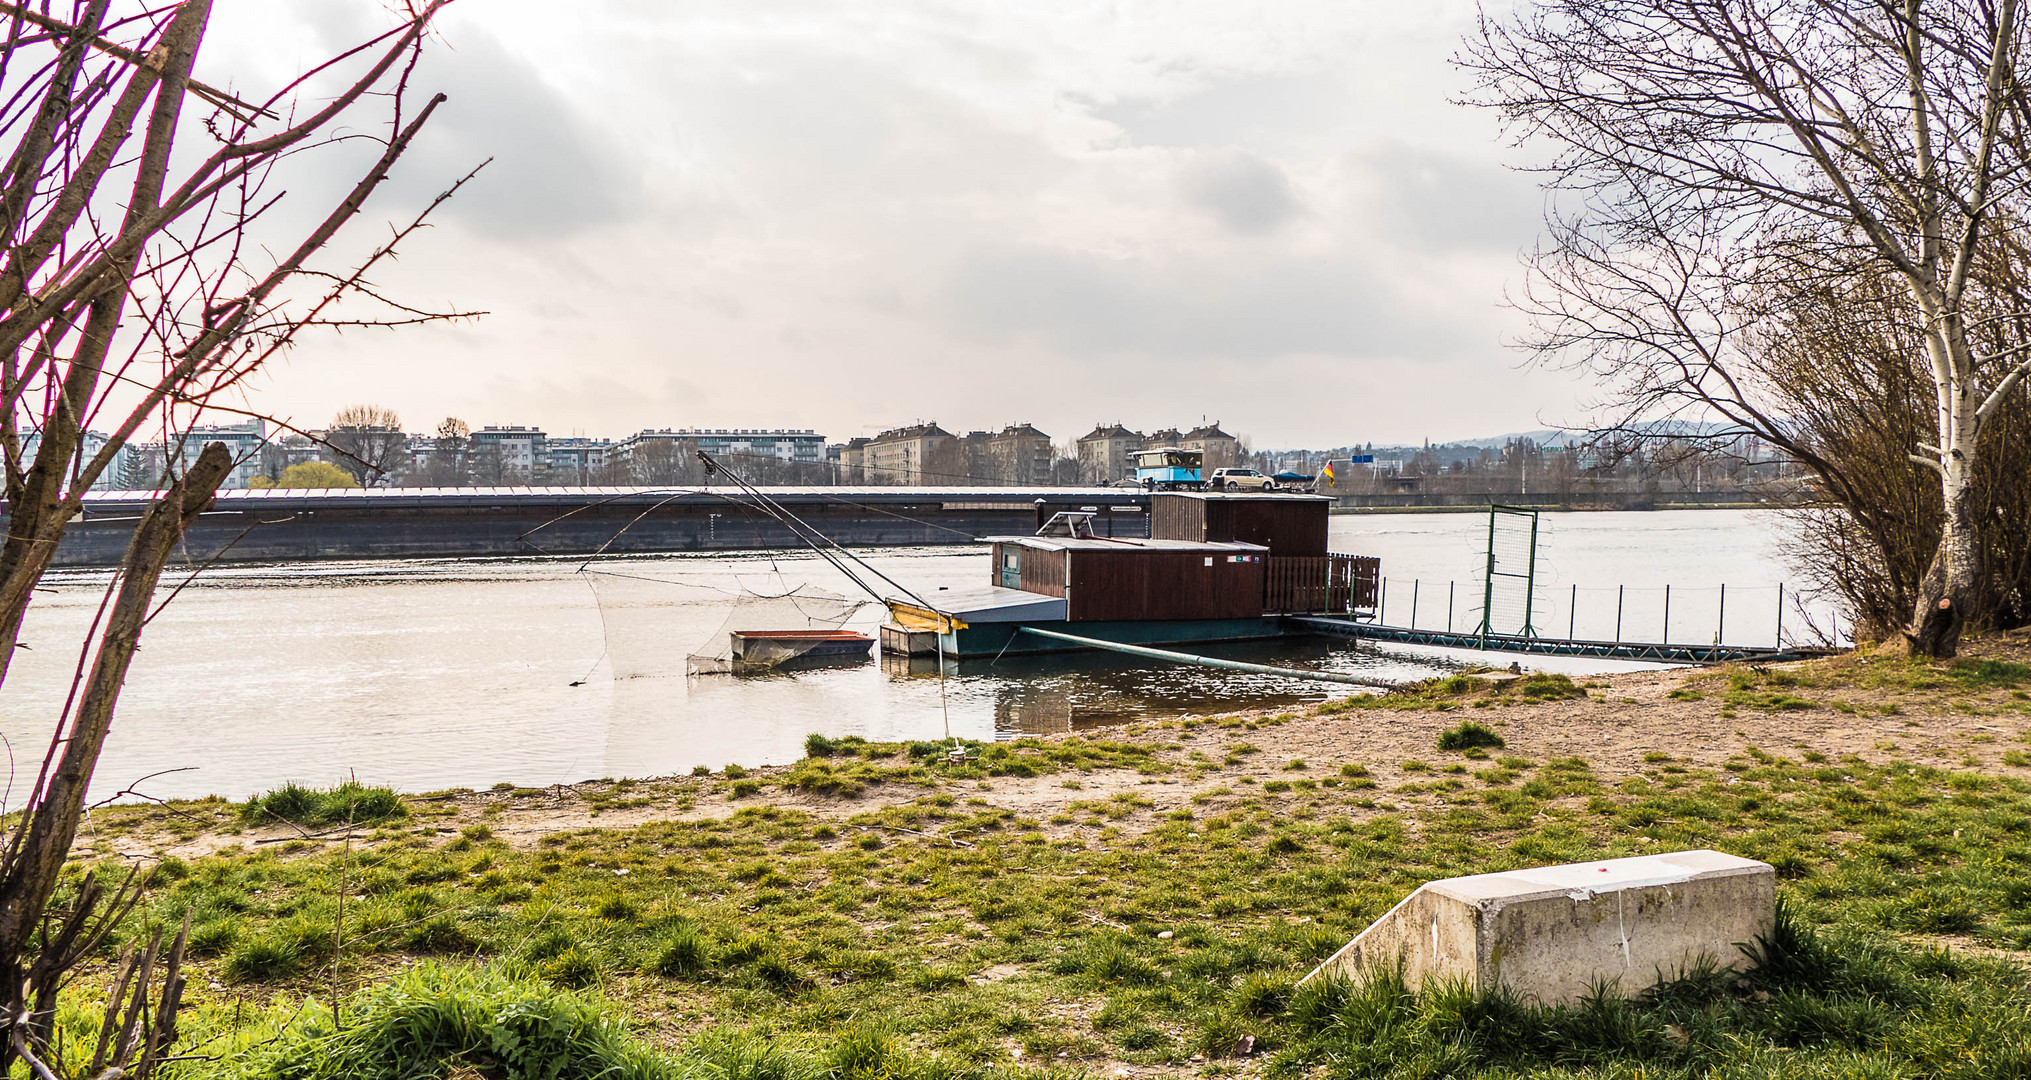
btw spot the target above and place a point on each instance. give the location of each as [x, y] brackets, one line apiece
[1216, 568]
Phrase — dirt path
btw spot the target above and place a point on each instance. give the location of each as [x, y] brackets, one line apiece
[1836, 709]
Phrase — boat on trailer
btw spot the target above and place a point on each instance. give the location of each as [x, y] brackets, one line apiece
[1216, 568]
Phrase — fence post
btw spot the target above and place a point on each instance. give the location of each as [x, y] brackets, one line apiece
[1780, 616]
[1721, 631]
[1382, 602]
[1573, 616]
[1666, 639]
[1413, 603]
[1618, 613]
[1449, 607]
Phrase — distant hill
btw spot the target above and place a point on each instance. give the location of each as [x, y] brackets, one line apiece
[1540, 436]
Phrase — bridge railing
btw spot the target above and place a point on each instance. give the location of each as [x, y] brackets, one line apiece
[1767, 616]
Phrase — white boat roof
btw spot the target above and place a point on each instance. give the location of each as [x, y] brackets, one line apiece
[991, 603]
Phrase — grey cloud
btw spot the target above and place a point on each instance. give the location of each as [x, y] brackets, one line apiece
[804, 128]
[1261, 110]
[553, 172]
[1243, 192]
[1431, 199]
[1208, 309]
[554, 169]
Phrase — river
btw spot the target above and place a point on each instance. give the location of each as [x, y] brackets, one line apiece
[432, 674]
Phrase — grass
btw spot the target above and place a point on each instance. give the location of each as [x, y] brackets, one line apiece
[772, 927]
[1449, 693]
[933, 936]
[350, 803]
[1469, 735]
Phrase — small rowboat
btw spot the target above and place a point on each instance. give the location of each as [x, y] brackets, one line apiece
[757, 649]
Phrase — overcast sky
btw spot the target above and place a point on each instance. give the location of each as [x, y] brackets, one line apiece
[851, 216]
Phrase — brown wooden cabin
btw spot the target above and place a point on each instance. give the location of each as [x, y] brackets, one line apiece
[1104, 580]
[1209, 556]
[1288, 525]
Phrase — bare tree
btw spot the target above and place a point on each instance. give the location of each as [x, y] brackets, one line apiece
[136, 214]
[1703, 152]
[450, 458]
[368, 442]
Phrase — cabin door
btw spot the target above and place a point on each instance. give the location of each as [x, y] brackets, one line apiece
[1011, 567]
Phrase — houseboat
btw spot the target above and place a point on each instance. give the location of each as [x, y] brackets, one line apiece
[1214, 568]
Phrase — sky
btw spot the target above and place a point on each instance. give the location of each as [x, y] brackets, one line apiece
[848, 217]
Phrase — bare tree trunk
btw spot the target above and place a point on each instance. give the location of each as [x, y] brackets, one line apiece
[1954, 578]
[42, 840]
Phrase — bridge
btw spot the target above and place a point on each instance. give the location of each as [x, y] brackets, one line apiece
[276, 525]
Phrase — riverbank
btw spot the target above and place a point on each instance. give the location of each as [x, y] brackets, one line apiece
[1142, 903]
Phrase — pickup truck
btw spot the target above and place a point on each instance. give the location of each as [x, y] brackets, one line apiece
[1240, 480]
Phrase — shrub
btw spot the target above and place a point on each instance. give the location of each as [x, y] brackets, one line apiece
[683, 952]
[212, 938]
[263, 960]
[425, 1021]
[863, 1052]
[350, 803]
[1468, 735]
[441, 934]
[617, 907]
[573, 969]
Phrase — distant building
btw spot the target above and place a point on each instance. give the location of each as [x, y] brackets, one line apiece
[976, 460]
[1020, 455]
[658, 457]
[578, 460]
[524, 452]
[245, 441]
[129, 460]
[1221, 450]
[781, 444]
[1107, 454]
[852, 462]
[914, 456]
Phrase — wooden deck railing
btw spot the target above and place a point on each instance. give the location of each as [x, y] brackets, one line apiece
[1331, 584]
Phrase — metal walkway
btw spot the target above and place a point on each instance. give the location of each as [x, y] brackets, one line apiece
[1608, 650]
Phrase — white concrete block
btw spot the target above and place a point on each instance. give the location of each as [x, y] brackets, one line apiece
[1550, 934]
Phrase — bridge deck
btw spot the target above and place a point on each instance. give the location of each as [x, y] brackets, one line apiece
[1656, 652]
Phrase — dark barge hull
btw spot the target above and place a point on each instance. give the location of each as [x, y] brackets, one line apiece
[989, 640]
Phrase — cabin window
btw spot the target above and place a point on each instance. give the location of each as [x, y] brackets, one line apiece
[1011, 568]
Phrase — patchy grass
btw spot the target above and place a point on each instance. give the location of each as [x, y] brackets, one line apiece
[928, 935]
[972, 938]
[1469, 735]
[1447, 694]
[350, 803]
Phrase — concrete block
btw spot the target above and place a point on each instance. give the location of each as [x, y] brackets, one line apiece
[1552, 933]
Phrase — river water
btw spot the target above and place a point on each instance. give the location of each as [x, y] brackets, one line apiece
[429, 674]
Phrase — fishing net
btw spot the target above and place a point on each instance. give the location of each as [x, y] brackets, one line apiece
[764, 632]
[659, 626]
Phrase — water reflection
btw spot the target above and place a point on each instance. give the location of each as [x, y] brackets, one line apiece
[434, 674]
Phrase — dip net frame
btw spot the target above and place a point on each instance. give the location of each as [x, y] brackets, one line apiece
[1509, 580]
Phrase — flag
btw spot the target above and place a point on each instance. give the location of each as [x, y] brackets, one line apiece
[1327, 472]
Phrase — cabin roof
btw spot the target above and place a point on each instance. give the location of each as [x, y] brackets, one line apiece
[988, 603]
[1101, 543]
[1247, 496]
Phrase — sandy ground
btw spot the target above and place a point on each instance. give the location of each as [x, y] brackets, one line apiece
[1624, 718]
